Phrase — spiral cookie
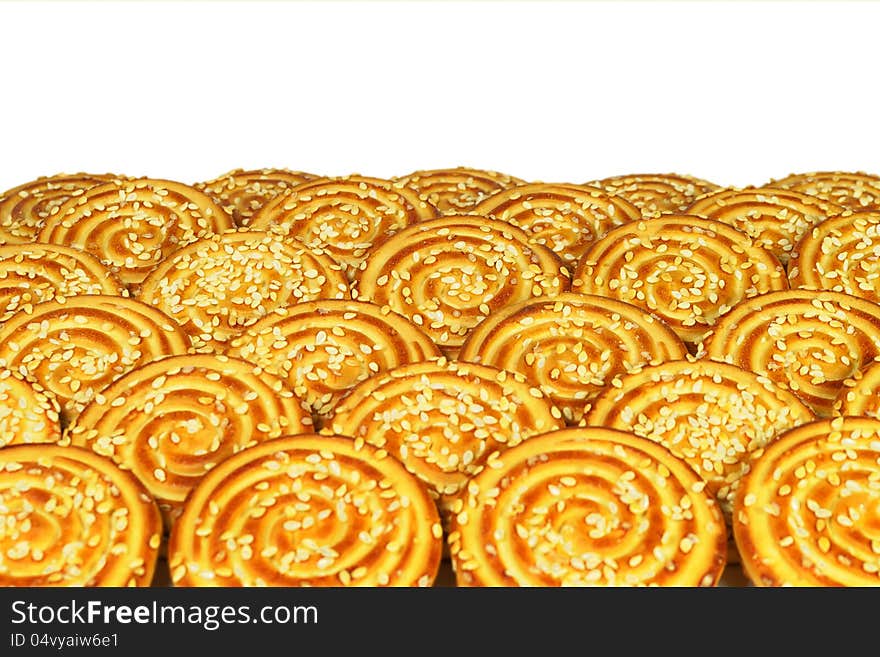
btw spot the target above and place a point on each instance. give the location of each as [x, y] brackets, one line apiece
[27, 413]
[810, 341]
[686, 270]
[565, 218]
[325, 348]
[808, 514]
[860, 395]
[307, 511]
[840, 254]
[775, 219]
[459, 190]
[242, 193]
[657, 193]
[76, 348]
[131, 225]
[43, 272]
[172, 420]
[572, 345]
[715, 416]
[856, 191]
[587, 507]
[25, 208]
[218, 286]
[445, 419]
[72, 518]
[344, 216]
[447, 275]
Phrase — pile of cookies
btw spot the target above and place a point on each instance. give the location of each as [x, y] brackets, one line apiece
[279, 378]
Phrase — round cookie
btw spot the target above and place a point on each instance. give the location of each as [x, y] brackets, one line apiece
[808, 340]
[344, 216]
[325, 348]
[218, 286]
[807, 514]
[587, 507]
[657, 193]
[445, 419]
[686, 270]
[25, 208]
[571, 345]
[131, 225]
[75, 348]
[841, 255]
[775, 219]
[458, 190]
[717, 417]
[563, 217]
[72, 518]
[172, 420]
[307, 511]
[448, 274]
[31, 274]
[242, 193]
[857, 191]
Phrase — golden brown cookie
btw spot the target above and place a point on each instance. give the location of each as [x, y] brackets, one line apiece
[458, 190]
[808, 340]
[448, 274]
[860, 395]
[307, 511]
[715, 416]
[34, 273]
[72, 518]
[218, 286]
[587, 507]
[657, 193]
[775, 219]
[445, 419]
[808, 513]
[840, 254]
[172, 420]
[857, 191]
[686, 270]
[565, 218]
[242, 193]
[344, 216]
[132, 225]
[28, 414]
[571, 345]
[325, 348]
[25, 208]
[75, 348]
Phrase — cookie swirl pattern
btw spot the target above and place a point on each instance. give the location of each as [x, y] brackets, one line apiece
[587, 507]
[307, 511]
[808, 514]
[72, 518]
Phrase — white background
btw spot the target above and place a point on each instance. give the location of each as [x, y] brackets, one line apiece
[735, 93]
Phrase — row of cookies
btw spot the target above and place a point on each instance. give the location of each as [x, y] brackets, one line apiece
[446, 284]
[564, 217]
[475, 449]
[456, 246]
[193, 286]
[446, 275]
[345, 216]
[829, 317]
[449, 337]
